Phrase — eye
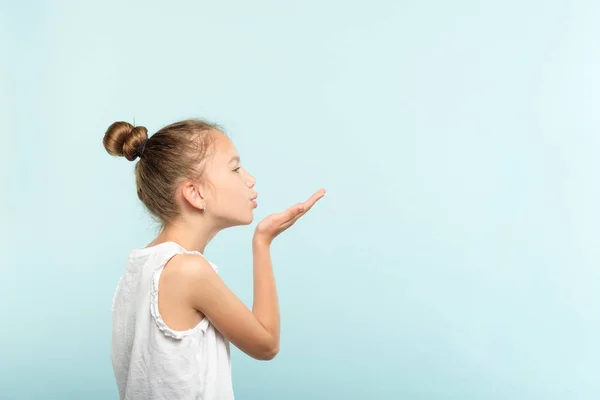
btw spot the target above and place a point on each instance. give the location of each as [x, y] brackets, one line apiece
[237, 169]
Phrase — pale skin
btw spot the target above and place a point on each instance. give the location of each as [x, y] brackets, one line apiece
[190, 290]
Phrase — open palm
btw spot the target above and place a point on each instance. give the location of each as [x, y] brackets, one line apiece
[276, 223]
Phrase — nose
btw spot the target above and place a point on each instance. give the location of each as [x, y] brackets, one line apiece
[251, 180]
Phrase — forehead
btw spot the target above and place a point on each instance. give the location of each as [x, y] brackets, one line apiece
[224, 149]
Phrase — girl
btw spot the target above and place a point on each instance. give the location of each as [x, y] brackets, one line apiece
[173, 317]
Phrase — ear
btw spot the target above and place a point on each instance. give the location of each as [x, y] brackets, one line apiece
[195, 194]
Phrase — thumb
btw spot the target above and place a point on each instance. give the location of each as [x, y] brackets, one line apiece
[293, 211]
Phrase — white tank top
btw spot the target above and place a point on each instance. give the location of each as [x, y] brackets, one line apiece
[152, 361]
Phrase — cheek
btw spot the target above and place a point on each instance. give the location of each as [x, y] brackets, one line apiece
[236, 189]
[231, 190]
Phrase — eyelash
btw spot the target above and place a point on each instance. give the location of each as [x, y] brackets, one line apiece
[237, 169]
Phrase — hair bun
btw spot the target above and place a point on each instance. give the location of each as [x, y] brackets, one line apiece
[122, 139]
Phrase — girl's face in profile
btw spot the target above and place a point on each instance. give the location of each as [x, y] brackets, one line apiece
[230, 200]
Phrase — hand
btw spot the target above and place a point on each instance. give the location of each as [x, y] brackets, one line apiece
[274, 224]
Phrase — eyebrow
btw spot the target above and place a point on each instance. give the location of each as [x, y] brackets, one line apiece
[234, 158]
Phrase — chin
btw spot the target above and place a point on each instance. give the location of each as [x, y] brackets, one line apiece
[231, 222]
[246, 221]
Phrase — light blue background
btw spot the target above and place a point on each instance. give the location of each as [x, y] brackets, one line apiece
[455, 255]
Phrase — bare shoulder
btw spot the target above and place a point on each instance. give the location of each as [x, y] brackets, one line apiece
[183, 275]
[193, 281]
[189, 267]
[189, 278]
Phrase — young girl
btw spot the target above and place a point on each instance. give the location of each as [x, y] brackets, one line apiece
[173, 317]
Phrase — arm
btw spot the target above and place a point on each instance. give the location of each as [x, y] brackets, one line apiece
[255, 332]
[266, 303]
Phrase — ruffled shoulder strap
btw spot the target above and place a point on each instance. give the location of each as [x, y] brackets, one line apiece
[170, 250]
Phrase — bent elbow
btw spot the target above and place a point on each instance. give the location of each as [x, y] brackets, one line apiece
[269, 354]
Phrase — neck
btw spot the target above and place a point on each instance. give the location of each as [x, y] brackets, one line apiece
[192, 236]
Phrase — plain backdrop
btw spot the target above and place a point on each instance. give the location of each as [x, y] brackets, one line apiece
[455, 255]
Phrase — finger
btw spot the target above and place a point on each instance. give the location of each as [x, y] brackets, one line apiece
[316, 195]
[293, 212]
[308, 204]
[292, 221]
